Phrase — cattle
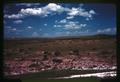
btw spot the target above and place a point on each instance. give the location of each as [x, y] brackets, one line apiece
[56, 53]
[44, 52]
[57, 60]
[74, 52]
[70, 53]
[21, 50]
[92, 53]
[44, 57]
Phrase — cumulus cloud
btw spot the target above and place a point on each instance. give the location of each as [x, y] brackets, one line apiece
[28, 4]
[83, 25]
[74, 25]
[56, 21]
[63, 21]
[18, 21]
[62, 33]
[32, 11]
[44, 11]
[45, 34]
[70, 17]
[81, 12]
[45, 24]
[92, 12]
[53, 8]
[71, 33]
[29, 27]
[87, 30]
[67, 24]
[74, 11]
[81, 5]
[108, 30]
[87, 19]
[40, 29]
[13, 29]
[105, 30]
[57, 25]
[14, 16]
[35, 34]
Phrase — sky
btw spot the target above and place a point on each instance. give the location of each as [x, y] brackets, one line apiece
[26, 20]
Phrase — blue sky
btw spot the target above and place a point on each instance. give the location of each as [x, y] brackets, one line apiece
[58, 19]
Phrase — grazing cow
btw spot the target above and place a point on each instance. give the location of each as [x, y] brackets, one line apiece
[44, 57]
[56, 53]
[74, 52]
[71, 52]
[45, 53]
[91, 53]
[57, 60]
[21, 50]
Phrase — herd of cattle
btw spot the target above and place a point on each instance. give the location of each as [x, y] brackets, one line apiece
[45, 60]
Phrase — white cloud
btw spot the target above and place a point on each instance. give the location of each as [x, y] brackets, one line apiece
[63, 21]
[52, 9]
[99, 31]
[87, 19]
[13, 29]
[92, 12]
[45, 34]
[67, 24]
[83, 25]
[81, 12]
[108, 30]
[43, 11]
[69, 17]
[29, 27]
[27, 4]
[87, 30]
[104, 30]
[32, 11]
[76, 32]
[84, 14]
[73, 25]
[68, 33]
[24, 4]
[61, 33]
[40, 29]
[73, 11]
[35, 34]
[56, 21]
[57, 25]
[18, 21]
[58, 33]
[14, 16]
[81, 5]
[45, 24]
